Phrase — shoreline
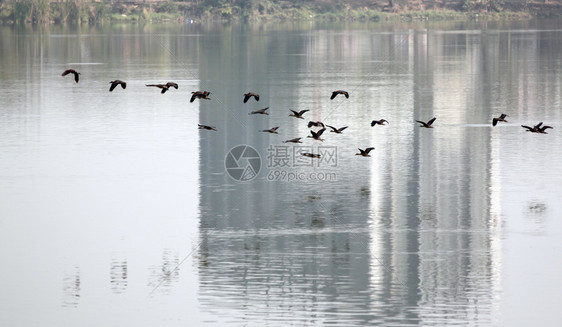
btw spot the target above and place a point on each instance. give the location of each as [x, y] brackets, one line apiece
[76, 12]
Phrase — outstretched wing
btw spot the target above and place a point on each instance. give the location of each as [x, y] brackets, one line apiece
[113, 85]
[431, 121]
[332, 127]
[494, 121]
[302, 112]
[320, 132]
[341, 129]
[367, 150]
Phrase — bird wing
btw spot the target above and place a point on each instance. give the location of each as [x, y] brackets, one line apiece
[431, 121]
[346, 95]
[332, 127]
[421, 122]
[246, 97]
[66, 72]
[502, 116]
[296, 113]
[367, 150]
[275, 128]
[193, 96]
[341, 129]
[76, 76]
[172, 84]
[302, 112]
[164, 89]
[529, 128]
[494, 121]
[123, 85]
[320, 132]
[333, 95]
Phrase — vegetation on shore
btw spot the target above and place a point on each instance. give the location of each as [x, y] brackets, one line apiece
[89, 12]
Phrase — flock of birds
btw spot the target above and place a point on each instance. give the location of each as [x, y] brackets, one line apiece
[316, 135]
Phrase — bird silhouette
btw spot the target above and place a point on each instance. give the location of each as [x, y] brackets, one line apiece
[200, 95]
[315, 124]
[428, 124]
[72, 71]
[316, 135]
[364, 153]
[311, 155]
[295, 140]
[534, 129]
[500, 118]
[248, 95]
[259, 112]
[164, 87]
[337, 130]
[210, 128]
[115, 83]
[335, 93]
[379, 122]
[298, 114]
[271, 130]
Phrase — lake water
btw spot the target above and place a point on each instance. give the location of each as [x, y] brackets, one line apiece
[116, 210]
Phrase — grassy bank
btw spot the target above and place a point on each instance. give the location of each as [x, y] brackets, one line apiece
[86, 12]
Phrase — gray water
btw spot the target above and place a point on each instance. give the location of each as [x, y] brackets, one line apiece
[115, 210]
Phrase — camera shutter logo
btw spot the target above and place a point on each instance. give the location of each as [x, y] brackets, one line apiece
[242, 163]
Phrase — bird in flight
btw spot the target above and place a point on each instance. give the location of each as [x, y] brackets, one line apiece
[164, 87]
[500, 118]
[295, 140]
[365, 152]
[315, 124]
[271, 130]
[337, 130]
[209, 128]
[428, 124]
[115, 83]
[311, 155]
[72, 71]
[379, 122]
[335, 93]
[259, 112]
[316, 135]
[200, 95]
[248, 95]
[298, 114]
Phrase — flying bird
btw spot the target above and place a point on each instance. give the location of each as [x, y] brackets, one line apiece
[379, 122]
[72, 71]
[115, 83]
[316, 135]
[295, 140]
[259, 112]
[311, 155]
[542, 130]
[535, 129]
[335, 93]
[248, 95]
[500, 118]
[337, 130]
[315, 124]
[164, 87]
[364, 153]
[200, 95]
[428, 124]
[271, 130]
[210, 128]
[298, 114]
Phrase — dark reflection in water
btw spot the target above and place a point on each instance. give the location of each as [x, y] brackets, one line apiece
[71, 289]
[163, 276]
[118, 275]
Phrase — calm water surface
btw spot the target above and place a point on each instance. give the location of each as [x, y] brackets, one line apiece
[115, 210]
